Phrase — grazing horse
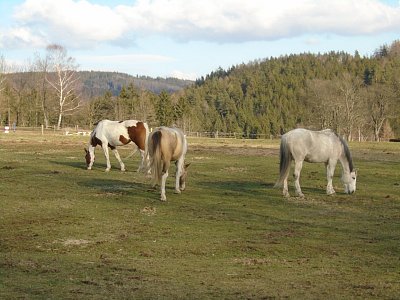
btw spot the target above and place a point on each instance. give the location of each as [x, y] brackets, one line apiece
[117, 133]
[167, 144]
[315, 146]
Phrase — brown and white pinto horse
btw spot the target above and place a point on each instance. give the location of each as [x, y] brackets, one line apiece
[167, 144]
[118, 133]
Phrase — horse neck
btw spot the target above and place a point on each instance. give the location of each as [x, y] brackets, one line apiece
[91, 148]
[345, 163]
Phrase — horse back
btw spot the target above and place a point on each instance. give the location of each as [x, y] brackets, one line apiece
[171, 141]
[313, 146]
[114, 133]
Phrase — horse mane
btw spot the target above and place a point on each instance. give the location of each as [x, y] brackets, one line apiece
[347, 153]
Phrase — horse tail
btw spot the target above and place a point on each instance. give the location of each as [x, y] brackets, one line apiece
[285, 159]
[155, 156]
[146, 146]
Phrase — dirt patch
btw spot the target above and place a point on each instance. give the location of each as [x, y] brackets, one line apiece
[75, 242]
[148, 211]
[246, 261]
[201, 158]
[254, 261]
[235, 169]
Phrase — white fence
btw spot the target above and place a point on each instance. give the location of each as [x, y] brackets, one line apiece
[228, 135]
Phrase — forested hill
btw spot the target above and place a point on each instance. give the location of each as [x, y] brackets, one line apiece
[351, 94]
[95, 83]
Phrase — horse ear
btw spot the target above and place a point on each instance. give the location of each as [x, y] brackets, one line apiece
[86, 150]
[187, 165]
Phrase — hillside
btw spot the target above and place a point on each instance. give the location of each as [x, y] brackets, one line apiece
[95, 83]
[356, 96]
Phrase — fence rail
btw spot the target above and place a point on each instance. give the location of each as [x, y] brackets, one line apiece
[229, 135]
[206, 134]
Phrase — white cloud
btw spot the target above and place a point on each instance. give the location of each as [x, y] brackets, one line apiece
[125, 58]
[14, 37]
[238, 20]
[127, 63]
[82, 23]
[75, 22]
[182, 75]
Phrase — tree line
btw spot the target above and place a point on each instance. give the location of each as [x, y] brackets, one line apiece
[356, 96]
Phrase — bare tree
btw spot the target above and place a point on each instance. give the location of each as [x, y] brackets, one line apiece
[18, 92]
[349, 102]
[42, 66]
[63, 79]
[145, 107]
[3, 71]
[380, 102]
[322, 105]
[335, 103]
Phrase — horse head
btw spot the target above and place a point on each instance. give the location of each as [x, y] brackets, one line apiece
[182, 179]
[349, 181]
[88, 159]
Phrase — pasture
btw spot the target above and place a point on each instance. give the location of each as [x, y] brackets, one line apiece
[70, 233]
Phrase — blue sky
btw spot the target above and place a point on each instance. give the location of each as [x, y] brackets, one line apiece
[189, 39]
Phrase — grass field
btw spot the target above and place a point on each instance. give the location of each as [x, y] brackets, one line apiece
[70, 233]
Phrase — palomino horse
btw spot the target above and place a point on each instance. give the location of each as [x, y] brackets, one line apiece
[117, 133]
[167, 144]
[315, 146]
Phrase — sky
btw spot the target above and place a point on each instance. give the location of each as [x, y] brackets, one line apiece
[188, 39]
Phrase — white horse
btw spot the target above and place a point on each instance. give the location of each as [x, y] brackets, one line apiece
[167, 144]
[117, 133]
[315, 146]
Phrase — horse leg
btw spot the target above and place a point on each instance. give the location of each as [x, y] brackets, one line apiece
[297, 169]
[330, 170]
[142, 162]
[107, 155]
[179, 167]
[163, 180]
[285, 186]
[91, 150]
[165, 167]
[119, 159]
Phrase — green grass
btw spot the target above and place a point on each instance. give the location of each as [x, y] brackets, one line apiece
[69, 233]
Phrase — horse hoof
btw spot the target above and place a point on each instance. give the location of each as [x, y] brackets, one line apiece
[177, 191]
[107, 170]
[163, 199]
[300, 195]
[330, 193]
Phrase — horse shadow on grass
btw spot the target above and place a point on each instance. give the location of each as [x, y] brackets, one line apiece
[253, 188]
[236, 187]
[72, 164]
[115, 187]
[82, 166]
